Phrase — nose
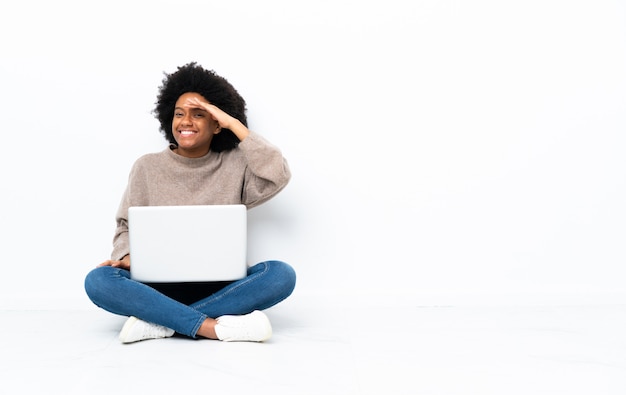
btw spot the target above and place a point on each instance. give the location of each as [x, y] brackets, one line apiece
[186, 119]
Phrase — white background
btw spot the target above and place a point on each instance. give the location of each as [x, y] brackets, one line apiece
[442, 151]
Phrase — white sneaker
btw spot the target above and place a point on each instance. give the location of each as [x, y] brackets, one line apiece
[135, 330]
[253, 327]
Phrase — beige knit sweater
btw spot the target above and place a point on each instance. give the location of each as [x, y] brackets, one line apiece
[250, 174]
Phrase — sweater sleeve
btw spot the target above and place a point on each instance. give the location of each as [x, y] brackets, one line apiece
[121, 246]
[267, 171]
[135, 194]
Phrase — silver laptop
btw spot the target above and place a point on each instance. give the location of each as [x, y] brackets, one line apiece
[188, 243]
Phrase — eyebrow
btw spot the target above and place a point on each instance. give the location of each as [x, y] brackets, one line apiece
[190, 108]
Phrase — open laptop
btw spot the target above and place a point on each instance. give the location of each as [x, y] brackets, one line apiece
[188, 243]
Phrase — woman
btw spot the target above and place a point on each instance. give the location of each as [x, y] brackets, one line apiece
[212, 158]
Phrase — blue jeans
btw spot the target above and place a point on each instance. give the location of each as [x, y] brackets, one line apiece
[266, 284]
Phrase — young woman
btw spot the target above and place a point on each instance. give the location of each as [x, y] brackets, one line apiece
[212, 158]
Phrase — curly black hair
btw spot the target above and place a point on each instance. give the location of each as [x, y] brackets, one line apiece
[214, 88]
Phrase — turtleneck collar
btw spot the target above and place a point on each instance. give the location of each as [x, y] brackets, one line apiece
[193, 162]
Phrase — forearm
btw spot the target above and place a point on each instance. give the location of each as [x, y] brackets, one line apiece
[239, 129]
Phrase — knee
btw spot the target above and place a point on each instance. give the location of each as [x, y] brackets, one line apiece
[98, 282]
[92, 282]
[284, 276]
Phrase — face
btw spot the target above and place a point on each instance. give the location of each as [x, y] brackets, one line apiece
[193, 127]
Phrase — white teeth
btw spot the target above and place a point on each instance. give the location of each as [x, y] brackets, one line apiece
[186, 132]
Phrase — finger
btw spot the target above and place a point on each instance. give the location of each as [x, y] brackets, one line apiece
[194, 101]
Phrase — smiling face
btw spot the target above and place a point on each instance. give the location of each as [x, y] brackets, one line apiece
[193, 127]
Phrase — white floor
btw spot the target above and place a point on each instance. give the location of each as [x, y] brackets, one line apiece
[329, 350]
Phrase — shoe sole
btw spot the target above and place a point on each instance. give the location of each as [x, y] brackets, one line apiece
[130, 322]
[268, 333]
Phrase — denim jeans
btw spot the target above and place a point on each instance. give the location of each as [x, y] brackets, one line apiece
[266, 284]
